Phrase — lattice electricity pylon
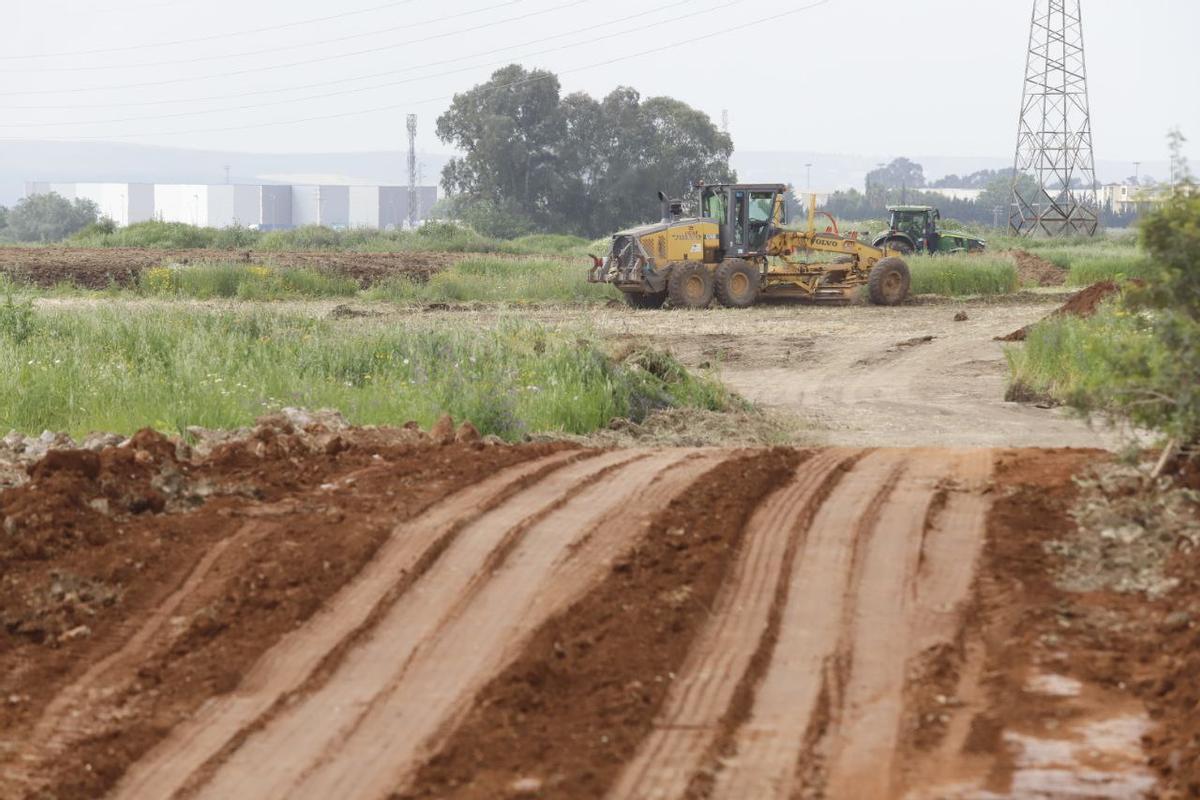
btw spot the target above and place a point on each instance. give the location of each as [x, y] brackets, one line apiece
[1054, 136]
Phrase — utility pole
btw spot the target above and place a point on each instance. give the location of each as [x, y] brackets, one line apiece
[226, 174]
[1054, 133]
[412, 171]
[725, 120]
[1137, 173]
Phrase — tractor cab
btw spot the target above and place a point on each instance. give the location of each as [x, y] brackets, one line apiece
[744, 213]
[916, 222]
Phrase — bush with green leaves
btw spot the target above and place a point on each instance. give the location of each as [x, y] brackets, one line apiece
[1139, 358]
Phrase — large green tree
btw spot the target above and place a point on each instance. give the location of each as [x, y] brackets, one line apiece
[573, 163]
[50, 217]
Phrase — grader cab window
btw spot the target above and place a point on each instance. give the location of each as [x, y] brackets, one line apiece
[762, 208]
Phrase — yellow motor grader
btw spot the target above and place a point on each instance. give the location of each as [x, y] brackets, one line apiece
[740, 250]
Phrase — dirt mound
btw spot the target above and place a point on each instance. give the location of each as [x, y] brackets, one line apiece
[102, 267]
[1038, 271]
[207, 558]
[1083, 303]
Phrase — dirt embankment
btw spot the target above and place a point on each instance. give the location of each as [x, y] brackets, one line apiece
[137, 584]
[102, 267]
[1083, 303]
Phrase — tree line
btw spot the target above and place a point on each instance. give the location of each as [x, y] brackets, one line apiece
[903, 182]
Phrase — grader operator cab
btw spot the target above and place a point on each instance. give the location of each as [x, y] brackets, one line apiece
[739, 249]
[917, 229]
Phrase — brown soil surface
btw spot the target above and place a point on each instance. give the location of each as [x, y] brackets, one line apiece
[1036, 270]
[1083, 303]
[367, 613]
[102, 267]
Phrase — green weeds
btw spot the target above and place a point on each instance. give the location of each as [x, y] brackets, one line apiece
[498, 280]
[956, 275]
[243, 282]
[119, 370]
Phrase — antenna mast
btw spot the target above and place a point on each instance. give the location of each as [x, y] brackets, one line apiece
[412, 171]
[1054, 135]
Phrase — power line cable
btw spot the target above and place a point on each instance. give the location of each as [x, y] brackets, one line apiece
[213, 37]
[256, 106]
[400, 106]
[303, 63]
[341, 81]
[268, 50]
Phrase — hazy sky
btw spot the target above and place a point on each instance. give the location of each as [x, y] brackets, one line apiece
[888, 77]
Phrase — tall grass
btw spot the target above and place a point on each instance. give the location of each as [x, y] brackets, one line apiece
[959, 275]
[118, 370]
[245, 282]
[1089, 270]
[498, 280]
[1066, 358]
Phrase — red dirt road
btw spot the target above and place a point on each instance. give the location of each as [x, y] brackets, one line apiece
[703, 623]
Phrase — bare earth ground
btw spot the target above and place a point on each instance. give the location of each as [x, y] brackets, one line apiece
[379, 613]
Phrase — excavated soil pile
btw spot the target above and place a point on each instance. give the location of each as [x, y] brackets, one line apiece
[100, 268]
[306, 610]
[1038, 271]
[138, 582]
[1083, 303]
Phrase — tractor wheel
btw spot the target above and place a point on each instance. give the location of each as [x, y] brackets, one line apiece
[645, 300]
[900, 246]
[690, 286]
[737, 283]
[888, 282]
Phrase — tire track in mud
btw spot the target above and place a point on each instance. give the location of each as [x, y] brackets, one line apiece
[286, 668]
[422, 659]
[799, 679]
[700, 697]
[767, 747]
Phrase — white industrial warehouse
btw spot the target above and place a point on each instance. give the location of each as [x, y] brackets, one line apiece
[265, 206]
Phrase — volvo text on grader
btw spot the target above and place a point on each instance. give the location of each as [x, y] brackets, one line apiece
[738, 251]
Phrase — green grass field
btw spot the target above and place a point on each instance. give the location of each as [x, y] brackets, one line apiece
[962, 275]
[121, 369]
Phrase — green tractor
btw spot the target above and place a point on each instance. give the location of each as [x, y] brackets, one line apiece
[916, 229]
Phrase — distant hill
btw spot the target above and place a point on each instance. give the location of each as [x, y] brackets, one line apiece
[104, 162]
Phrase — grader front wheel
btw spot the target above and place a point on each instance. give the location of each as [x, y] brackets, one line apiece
[889, 282]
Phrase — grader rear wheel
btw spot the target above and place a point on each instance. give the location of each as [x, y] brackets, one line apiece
[737, 283]
[690, 286]
[888, 282]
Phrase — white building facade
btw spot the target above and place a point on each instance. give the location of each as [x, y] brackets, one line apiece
[265, 206]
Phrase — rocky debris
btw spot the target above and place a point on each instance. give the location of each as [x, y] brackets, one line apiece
[1129, 528]
[961, 316]
[467, 434]
[442, 431]
[59, 611]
